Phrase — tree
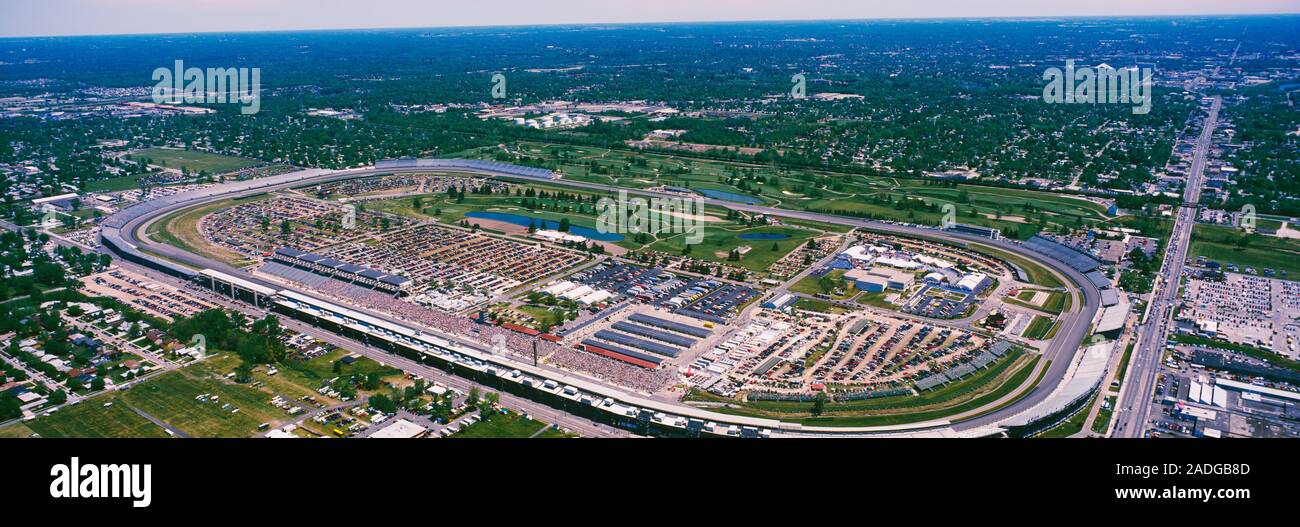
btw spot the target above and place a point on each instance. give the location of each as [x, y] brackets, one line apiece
[383, 403]
[285, 228]
[819, 404]
[564, 225]
[58, 397]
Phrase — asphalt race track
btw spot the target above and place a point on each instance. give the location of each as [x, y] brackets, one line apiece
[119, 234]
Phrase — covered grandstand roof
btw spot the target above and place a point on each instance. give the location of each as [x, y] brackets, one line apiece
[1075, 259]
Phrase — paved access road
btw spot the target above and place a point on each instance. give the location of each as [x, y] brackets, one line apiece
[1135, 405]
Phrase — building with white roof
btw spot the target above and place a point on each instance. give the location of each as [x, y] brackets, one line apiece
[401, 429]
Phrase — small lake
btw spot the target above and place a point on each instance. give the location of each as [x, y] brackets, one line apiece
[763, 236]
[730, 196]
[524, 221]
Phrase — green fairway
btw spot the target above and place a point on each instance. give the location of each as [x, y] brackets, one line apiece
[92, 419]
[193, 160]
[1019, 211]
[718, 242]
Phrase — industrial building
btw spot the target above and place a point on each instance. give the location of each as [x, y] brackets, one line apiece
[879, 279]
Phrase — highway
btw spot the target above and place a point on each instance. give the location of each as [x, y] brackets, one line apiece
[1136, 396]
[1061, 351]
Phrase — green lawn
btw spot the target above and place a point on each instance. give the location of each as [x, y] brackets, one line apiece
[170, 397]
[1103, 416]
[114, 184]
[1123, 362]
[818, 305]
[194, 160]
[91, 419]
[1219, 244]
[542, 315]
[1070, 426]
[322, 368]
[718, 242]
[1019, 210]
[510, 425]
[1038, 327]
[812, 285]
[876, 300]
[16, 431]
[1037, 274]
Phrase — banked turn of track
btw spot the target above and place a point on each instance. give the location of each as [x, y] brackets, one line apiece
[120, 234]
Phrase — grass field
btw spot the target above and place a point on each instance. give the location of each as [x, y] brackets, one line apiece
[1103, 416]
[820, 306]
[509, 425]
[1219, 244]
[194, 160]
[114, 184]
[171, 398]
[1123, 362]
[1038, 327]
[15, 431]
[180, 229]
[91, 419]
[1070, 426]
[719, 241]
[812, 285]
[1037, 274]
[1018, 210]
[876, 300]
[322, 367]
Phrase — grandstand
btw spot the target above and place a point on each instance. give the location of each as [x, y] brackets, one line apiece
[469, 164]
[622, 354]
[331, 267]
[1075, 259]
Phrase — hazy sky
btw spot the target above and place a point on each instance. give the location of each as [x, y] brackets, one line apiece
[86, 17]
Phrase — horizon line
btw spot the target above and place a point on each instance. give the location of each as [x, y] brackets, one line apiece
[658, 23]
